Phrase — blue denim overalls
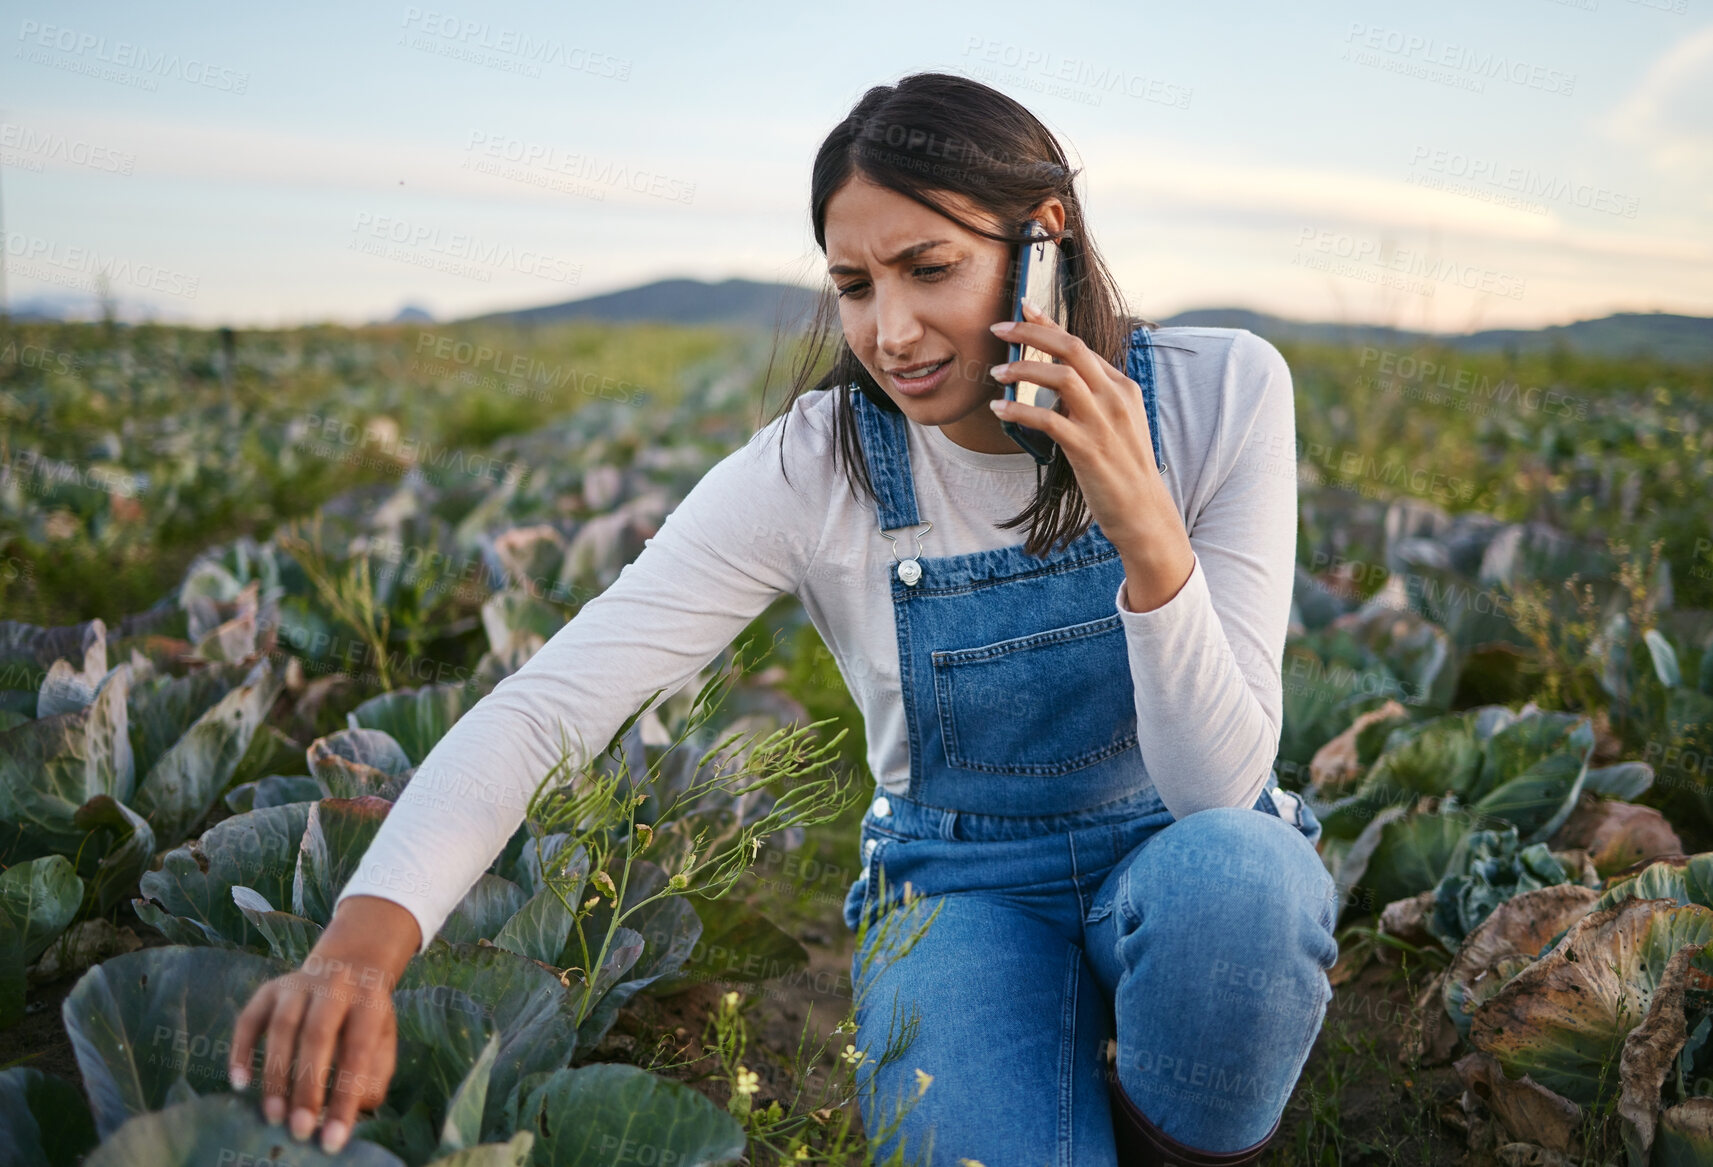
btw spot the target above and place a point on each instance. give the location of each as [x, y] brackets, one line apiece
[1072, 906]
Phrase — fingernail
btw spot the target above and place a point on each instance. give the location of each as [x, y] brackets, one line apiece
[999, 369]
[998, 404]
[302, 1123]
[333, 1136]
[273, 1109]
[239, 1076]
[1002, 326]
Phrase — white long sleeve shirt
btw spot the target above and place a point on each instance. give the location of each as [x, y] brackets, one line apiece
[1205, 665]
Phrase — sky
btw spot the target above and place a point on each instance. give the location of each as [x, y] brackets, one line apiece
[1436, 166]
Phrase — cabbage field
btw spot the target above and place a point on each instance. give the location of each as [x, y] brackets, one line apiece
[247, 581]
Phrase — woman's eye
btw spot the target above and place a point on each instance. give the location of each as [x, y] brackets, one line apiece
[930, 274]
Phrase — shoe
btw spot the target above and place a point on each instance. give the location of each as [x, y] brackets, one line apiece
[1142, 1144]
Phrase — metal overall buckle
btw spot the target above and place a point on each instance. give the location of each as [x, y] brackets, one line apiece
[909, 570]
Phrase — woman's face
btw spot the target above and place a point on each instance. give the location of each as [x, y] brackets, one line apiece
[915, 288]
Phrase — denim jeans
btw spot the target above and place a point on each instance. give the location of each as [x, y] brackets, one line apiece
[1072, 907]
[1202, 945]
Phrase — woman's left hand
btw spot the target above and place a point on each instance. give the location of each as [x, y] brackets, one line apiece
[1103, 429]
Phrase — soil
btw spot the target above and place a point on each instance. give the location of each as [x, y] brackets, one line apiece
[1358, 1100]
[40, 1039]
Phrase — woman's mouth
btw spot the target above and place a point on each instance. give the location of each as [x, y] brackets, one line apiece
[923, 380]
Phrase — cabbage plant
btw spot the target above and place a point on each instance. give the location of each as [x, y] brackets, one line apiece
[116, 762]
[1436, 781]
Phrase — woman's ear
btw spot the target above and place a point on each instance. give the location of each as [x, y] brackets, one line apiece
[1051, 212]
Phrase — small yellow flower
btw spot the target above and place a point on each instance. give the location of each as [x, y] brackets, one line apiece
[802, 1153]
[748, 1081]
[730, 1000]
[922, 1081]
[853, 1055]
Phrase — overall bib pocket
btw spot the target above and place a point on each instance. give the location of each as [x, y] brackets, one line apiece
[1037, 705]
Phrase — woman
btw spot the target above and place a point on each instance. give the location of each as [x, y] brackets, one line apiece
[1072, 735]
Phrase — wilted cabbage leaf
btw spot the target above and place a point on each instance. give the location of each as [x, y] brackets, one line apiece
[1685, 879]
[1510, 939]
[1564, 1018]
[355, 762]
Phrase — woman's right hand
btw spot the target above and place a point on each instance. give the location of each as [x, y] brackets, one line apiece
[335, 1013]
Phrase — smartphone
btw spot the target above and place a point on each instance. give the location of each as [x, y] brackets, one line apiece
[1036, 274]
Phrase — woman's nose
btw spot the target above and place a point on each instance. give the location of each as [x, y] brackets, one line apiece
[896, 325]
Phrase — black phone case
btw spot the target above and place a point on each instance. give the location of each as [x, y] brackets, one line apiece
[1042, 448]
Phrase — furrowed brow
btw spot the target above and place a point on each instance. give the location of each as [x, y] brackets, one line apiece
[915, 249]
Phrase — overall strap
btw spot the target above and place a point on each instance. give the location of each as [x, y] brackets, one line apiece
[1139, 367]
[886, 448]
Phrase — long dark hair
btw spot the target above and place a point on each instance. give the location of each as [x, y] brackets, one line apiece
[938, 133]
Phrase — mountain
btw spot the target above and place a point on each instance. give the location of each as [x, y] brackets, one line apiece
[1667, 337]
[730, 302]
[42, 307]
[1660, 335]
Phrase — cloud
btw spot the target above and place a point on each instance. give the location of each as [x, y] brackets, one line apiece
[1664, 116]
[1271, 199]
